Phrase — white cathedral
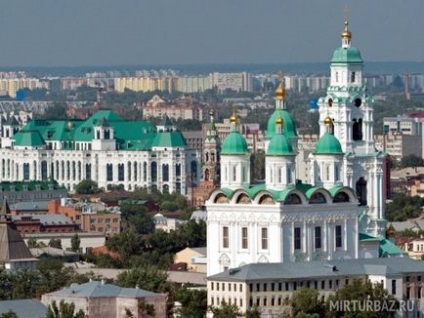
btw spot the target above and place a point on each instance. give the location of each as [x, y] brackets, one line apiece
[338, 215]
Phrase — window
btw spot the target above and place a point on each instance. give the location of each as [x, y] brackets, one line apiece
[121, 174]
[408, 292]
[352, 77]
[244, 238]
[330, 284]
[419, 293]
[297, 239]
[294, 286]
[265, 287]
[223, 286]
[225, 238]
[234, 173]
[408, 279]
[317, 237]
[212, 286]
[323, 284]
[258, 287]
[338, 236]
[346, 281]
[241, 288]
[109, 172]
[229, 286]
[272, 286]
[264, 238]
[250, 288]
[393, 286]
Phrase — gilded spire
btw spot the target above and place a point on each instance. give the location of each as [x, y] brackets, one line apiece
[346, 34]
[280, 92]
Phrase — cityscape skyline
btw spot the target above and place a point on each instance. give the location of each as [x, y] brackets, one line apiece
[134, 32]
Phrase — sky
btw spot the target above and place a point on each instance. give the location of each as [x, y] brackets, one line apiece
[158, 32]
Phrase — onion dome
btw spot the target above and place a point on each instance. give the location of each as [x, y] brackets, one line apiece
[289, 129]
[279, 144]
[328, 144]
[346, 34]
[234, 143]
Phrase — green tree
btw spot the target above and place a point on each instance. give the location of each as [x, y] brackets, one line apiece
[254, 312]
[226, 311]
[55, 243]
[32, 242]
[9, 314]
[57, 111]
[411, 161]
[87, 186]
[193, 303]
[305, 301]
[65, 310]
[126, 244]
[75, 243]
[362, 292]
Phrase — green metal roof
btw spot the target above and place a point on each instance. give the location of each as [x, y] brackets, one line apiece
[129, 135]
[279, 146]
[289, 127]
[328, 144]
[29, 138]
[346, 55]
[30, 186]
[234, 144]
[387, 248]
[168, 139]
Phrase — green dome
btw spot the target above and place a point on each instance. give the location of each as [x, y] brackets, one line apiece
[346, 55]
[328, 144]
[279, 146]
[234, 144]
[289, 128]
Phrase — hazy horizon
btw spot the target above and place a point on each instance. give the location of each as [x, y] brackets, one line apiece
[78, 33]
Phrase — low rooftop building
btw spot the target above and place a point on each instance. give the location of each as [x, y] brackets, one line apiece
[269, 286]
[98, 299]
[24, 308]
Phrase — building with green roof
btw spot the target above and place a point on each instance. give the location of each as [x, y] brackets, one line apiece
[283, 220]
[105, 148]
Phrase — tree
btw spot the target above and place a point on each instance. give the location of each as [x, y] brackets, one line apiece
[225, 311]
[75, 243]
[57, 111]
[65, 310]
[87, 187]
[305, 301]
[362, 292]
[9, 314]
[254, 312]
[55, 243]
[193, 303]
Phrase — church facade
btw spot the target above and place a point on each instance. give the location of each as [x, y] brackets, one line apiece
[104, 148]
[339, 214]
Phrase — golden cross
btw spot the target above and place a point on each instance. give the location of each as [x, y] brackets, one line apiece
[346, 12]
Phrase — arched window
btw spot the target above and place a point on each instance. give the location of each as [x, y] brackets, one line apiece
[206, 176]
[26, 171]
[193, 168]
[154, 171]
[135, 171]
[165, 188]
[206, 156]
[317, 198]
[88, 171]
[357, 130]
[361, 191]
[129, 166]
[44, 174]
[144, 171]
[165, 172]
[341, 197]
[109, 172]
[330, 102]
[178, 170]
[121, 172]
[292, 198]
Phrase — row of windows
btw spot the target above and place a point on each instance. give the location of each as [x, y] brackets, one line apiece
[280, 286]
[297, 238]
[244, 238]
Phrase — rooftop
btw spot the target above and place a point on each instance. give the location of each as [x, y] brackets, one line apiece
[320, 269]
